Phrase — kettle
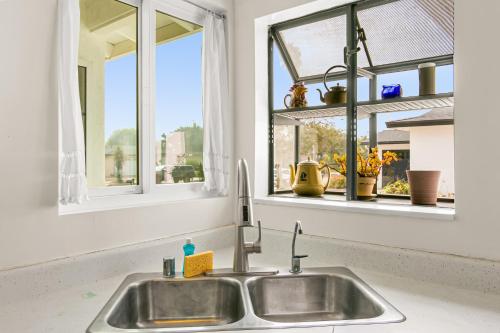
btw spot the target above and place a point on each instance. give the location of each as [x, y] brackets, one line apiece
[307, 180]
[333, 95]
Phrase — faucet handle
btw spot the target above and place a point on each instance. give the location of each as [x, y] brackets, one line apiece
[256, 247]
[300, 256]
[257, 242]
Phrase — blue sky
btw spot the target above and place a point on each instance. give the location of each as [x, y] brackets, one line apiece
[178, 94]
[408, 80]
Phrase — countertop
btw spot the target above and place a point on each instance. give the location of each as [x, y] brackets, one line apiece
[429, 307]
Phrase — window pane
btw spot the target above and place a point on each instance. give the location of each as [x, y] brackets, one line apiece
[397, 31]
[108, 51]
[409, 81]
[179, 120]
[316, 46]
[423, 140]
[284, 152]
[320, 139]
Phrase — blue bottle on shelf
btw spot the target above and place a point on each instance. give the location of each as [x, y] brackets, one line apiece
[391, 91]
[188, 250]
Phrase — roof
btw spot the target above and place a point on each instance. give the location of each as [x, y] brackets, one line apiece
[391, 137]
[438, 116]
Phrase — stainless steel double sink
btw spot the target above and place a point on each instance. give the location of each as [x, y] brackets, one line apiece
[317, 297]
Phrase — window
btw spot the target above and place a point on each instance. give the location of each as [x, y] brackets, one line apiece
[108, 48]
[141, 96]
[82, 85]
[418, 129]
[179, 122]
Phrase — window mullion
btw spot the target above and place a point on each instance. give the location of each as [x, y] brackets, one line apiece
[352, 135]
[146, 109]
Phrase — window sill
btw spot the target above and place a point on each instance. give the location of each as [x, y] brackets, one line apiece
[425, 212]
[162, 194]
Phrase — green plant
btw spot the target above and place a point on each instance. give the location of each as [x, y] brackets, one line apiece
[366, 167]
[398, 187]
[337, 182]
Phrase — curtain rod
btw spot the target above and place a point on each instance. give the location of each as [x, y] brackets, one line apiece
[221, 16]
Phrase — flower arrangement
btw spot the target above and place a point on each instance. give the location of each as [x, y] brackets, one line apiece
[297, 96]
[367, 167]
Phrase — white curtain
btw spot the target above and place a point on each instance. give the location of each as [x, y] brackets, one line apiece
[215, 106]
[73, 184]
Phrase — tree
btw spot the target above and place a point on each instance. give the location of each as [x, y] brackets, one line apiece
[119, 159]
[320, 139]
[122, 137]
[193, 137]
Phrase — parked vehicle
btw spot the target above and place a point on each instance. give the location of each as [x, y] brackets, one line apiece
[185, 173]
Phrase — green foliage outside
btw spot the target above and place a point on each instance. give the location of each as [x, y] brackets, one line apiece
[337, 182]
[193, 137]
[321, 137]
[397, 187]
[122, 137]
[119, 159]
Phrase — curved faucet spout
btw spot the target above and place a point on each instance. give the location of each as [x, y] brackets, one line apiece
[295, 257]
[245, 211]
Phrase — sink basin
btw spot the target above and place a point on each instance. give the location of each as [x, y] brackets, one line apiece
[311, 298]
[332, 296]
[178, 303]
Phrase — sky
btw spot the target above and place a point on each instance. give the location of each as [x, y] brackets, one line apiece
[178, 93]
[408, 81]
[178, 83]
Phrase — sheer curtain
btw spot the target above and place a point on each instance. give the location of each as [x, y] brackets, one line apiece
[215, 106]
[73, 184]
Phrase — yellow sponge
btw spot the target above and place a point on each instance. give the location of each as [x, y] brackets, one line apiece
[197, 264]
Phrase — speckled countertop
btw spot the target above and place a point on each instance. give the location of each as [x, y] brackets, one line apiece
[65, 308]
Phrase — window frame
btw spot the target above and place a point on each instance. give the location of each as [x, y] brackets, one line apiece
[275, 42]
[193, 14]
[146, 105]
[147, 192]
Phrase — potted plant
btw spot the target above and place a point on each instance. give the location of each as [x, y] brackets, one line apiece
[423, 186]
[297, 96]
[368, 169]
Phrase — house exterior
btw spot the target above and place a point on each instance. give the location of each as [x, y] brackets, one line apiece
[429, 139]
[397, 141]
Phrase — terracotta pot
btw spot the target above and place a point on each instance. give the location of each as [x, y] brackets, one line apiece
[365, 186]
[423, 186]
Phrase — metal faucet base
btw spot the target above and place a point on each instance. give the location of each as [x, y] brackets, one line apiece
[254, 271]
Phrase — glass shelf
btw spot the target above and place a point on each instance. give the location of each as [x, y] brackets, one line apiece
[365, 108]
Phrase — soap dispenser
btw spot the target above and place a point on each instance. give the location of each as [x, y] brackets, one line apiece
[188, 247]
[188, 250]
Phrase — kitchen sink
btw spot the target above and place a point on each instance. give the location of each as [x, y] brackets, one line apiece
[162, 303]
[311, 298]
[332, 296]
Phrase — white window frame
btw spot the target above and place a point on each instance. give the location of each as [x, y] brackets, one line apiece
[147, 191]
[104, 191]
[185, 11]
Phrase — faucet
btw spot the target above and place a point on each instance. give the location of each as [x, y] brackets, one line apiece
[296, 258]
[245, 219]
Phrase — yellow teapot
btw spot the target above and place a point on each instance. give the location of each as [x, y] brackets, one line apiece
[307, 180]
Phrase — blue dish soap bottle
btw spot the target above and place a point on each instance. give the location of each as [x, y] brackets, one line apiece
[188, 250]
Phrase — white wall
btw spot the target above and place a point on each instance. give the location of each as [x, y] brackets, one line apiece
[476, 230]
[432, 149]
[30, 229]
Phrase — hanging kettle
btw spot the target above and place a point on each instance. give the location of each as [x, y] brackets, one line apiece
[336, 94]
